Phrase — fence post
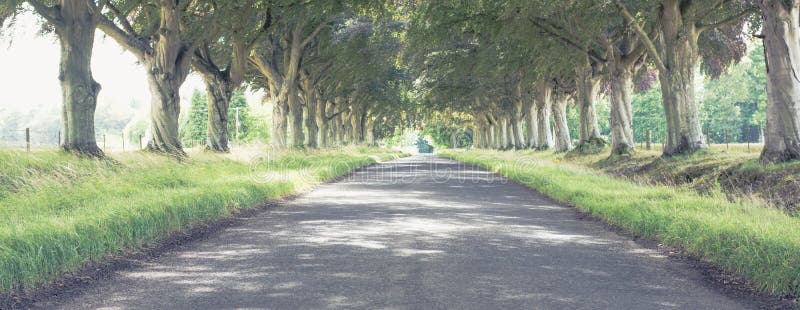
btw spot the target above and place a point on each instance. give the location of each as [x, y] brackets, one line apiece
[28, 139]
[104, 143]
[59, 138]
[140, 142]
[648, 137]
[123, 142]
[727, 140]
[749, 136]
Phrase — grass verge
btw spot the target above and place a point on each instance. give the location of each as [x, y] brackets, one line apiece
[759, 243]
[59, 212]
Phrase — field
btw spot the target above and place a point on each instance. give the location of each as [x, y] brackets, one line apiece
[59, 212]
[759, 243]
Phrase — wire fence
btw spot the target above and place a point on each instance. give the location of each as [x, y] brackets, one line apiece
[31, 139]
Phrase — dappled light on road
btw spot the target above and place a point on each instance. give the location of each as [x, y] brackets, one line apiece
[371, 241]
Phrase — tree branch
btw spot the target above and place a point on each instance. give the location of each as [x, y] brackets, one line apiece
[313, 34]
[121, 17]
[646, 40]
[129, 41]
[569, 42]
[725, 22]
[49, 13]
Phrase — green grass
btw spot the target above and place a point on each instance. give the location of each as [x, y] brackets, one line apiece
[759, 243]
[59, 212]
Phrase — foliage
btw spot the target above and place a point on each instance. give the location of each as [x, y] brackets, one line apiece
[239, 102]
[196, 122]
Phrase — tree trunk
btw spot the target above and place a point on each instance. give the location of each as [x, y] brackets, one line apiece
[357, 126]
[505, 139]
[563, 142]
[531, 126]
[369, 131]
[168, 67]
[78, 88]
[621, 76]
[543, 106]
[322, 121]
[684, 134]
[219, 98]
[477, 137]
[782, 47]
[312, 129]
[516, 124]
[588, 84]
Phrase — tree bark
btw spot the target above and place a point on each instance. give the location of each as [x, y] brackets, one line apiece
[588, 83]
[543, 106]
[531, 126]
[369, 131]
[322, 121]
[563, 142]
[168, 67]
[76, 30]
[781, 32]
[219, 98]
[312, 128]
[621, 79]
[684, 134]
[516, 121]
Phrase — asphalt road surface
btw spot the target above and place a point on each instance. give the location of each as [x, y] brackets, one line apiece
[416, 233]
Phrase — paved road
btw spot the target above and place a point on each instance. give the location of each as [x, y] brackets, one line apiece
[403, 235]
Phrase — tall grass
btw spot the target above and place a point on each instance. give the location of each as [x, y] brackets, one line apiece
[59, 212]
[759, 243]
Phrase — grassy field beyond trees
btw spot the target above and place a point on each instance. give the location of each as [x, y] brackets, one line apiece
[59, 212]
[761, 244]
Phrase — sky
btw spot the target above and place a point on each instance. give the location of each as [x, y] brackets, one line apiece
[29, 62]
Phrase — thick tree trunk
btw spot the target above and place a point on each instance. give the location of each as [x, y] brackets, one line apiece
[543, 106]
[516, 123]
[494, 133]
[168, 67]
[369, 131]
[312, 129]
[531, 126]
[219, 98]
[621, 78]
[588, 84]
[280, 123]
[684, 134]
[78, 88]
[356, 122]
[477, 135]
[781, 32]
[505, 139]
[563, 142]
[322, 121]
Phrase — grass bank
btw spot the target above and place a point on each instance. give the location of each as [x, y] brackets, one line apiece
[761, 244]
[730, 171]
[59, 212]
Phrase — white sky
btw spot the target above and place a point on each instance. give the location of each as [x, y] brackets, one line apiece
[30, 70]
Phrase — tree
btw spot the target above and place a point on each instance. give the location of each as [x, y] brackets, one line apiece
[197, 120]
[781, 32]
[238, 104]
[163, 35]
[222, 61]
[675, 50]
[74, 22]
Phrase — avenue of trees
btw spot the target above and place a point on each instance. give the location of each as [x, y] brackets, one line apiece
[515, 66]
[328, 67]
[502, 74]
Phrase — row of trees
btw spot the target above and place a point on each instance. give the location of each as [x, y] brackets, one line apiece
[516, 65]
[327, 67]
